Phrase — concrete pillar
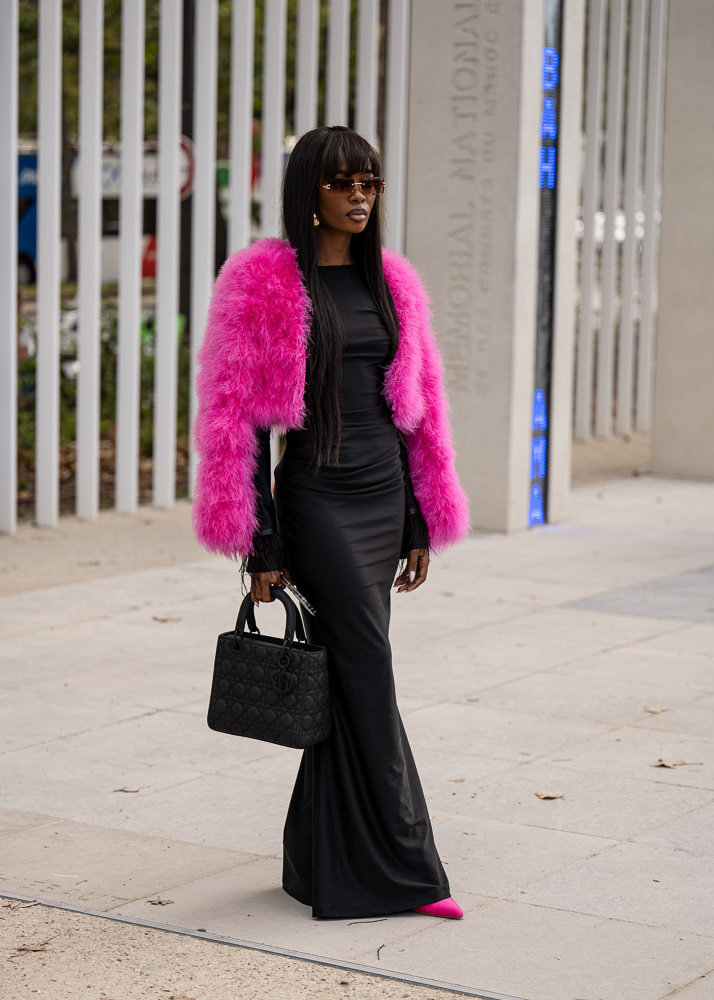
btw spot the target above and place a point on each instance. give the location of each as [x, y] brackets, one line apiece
[472, 218]
[683, 429]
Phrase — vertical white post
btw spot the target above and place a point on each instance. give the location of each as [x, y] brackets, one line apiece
[49, 185]
[683, 417]
[367, 71]
[242, 46]
[8, 265]
[395, 140]
[625, 364]
[653, 163]
[308, 45]
[273, 113]
[584, 363]
[204, 190]
[130, 244]
[91, 49]
[611, 197]
[338, 63]
[168, 238]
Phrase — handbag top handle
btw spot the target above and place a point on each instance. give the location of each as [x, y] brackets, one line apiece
[293, 619]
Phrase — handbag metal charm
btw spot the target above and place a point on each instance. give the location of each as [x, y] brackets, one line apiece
[284, 681]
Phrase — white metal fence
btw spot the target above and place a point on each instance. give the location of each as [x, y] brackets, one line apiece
[624, 68]
[322, 58]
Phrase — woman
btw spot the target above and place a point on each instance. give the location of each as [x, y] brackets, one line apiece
[327, 337]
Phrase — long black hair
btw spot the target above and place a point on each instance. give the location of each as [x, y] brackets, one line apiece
[317, 157]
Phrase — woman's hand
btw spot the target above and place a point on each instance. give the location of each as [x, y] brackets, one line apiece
[260, 585]
[415, 571]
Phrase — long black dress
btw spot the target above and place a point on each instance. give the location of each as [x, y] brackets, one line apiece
[358, 841]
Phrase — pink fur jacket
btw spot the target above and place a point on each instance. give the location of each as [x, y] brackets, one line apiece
[252, 376]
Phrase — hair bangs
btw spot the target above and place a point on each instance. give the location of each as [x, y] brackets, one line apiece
[347, 152]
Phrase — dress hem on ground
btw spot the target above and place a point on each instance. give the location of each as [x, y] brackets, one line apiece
[424, 899]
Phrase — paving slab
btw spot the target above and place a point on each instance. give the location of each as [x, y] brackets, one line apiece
[68, 784]
[629, 751]
[610, 701]
[552, 638]
[687, 596]
[696, 639]
[692, 831]
[695, 717]
[488, 733]
[639, 883]
[648, 665]
[238, 811]
[59, 861]
[597, 803]
[498, 859]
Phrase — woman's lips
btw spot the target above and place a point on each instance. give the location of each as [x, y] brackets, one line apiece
[357, 214]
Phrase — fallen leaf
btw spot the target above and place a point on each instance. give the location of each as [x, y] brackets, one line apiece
[158, 618]
[550, 795]
[40, 946]
[126, 788]
[457, 781]
[655, 709]
[160, 902]
[677, 763]
[447, 593]
[445, 861]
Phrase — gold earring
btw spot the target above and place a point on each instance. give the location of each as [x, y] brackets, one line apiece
[315, 220]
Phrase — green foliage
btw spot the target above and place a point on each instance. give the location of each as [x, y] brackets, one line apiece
[107, 418]
[28, 26]
[27, 76]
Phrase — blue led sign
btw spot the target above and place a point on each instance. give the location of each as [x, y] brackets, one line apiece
[547, 181]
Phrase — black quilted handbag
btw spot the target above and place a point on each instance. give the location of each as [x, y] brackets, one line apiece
[268, 688]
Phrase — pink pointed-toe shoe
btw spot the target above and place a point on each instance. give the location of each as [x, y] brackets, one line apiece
[444, 908]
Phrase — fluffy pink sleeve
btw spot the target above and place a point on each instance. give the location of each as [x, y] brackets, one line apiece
[415, 388]
[254, 344]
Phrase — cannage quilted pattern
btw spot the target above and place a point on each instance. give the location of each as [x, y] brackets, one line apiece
[265, 694]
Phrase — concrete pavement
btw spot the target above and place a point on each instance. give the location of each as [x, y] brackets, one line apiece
[543, 678]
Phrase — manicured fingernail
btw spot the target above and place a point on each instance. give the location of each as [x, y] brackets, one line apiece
[412, 575]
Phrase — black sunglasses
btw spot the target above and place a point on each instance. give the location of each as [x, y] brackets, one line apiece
[346, 185]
